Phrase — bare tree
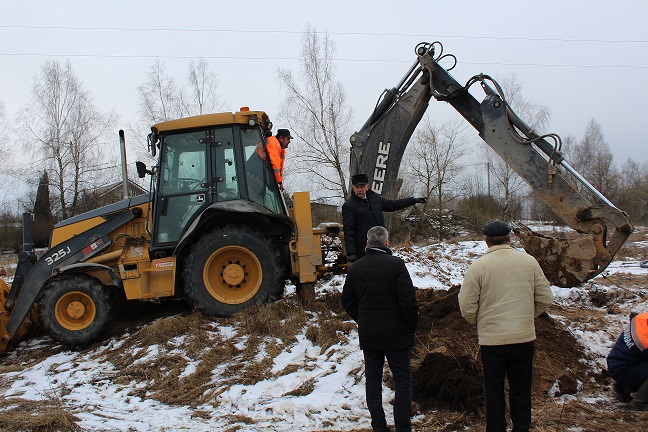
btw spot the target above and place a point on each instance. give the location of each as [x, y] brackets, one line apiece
[316, 111]
[5, 189]
[64, 132]
[435, 163]
[200, 97]
[162, 99]
[633, 190]
[506, 184]
[593, 160]
[159, 96]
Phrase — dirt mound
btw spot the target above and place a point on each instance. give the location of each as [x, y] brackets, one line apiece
[447, 367]
[449, 382]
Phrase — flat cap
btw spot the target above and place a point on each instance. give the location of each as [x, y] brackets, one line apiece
[359, 179]
[284, 132]
[496, 229]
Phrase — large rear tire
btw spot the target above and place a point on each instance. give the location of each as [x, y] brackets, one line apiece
[232, 268]
[76, 309]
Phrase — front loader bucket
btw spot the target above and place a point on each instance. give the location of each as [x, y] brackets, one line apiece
[29, 326]
[566, 262]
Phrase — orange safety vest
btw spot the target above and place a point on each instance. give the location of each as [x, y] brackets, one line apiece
[639, 331]
[277, 157]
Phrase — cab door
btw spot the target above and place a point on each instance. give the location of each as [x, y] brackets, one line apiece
[183, 187]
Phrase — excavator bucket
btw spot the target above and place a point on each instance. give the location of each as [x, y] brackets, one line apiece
[29, 327]
[566, 262]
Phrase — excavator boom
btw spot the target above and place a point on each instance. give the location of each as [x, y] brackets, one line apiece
[377, 150]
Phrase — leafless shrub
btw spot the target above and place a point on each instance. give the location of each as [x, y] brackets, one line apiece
[303, 389]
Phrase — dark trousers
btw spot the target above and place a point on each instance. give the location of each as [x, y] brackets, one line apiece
[514, 361]
[401, 369]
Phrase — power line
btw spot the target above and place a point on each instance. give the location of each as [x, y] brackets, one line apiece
[347, 60]
[149, 56]
[198, 30]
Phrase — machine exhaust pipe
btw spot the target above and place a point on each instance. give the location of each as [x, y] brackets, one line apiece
[122, 145]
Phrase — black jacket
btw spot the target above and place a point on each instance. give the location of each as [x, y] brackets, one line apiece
[359, 216]
[378, 294]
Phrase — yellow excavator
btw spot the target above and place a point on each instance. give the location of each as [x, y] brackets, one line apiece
[216, 229]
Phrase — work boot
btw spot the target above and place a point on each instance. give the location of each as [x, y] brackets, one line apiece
[640, 401]
[623, 392]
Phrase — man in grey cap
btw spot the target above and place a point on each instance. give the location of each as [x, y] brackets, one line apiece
[379, 295]
[502, 292]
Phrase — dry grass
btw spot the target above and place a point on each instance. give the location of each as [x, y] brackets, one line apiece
[328, 330]
[188, 360]
[157, 356]
[281, 320]
[45, 415]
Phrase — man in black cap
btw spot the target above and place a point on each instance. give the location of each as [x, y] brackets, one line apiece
[363, 210]
[502, 292]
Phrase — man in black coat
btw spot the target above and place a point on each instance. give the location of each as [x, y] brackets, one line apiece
[363, 210]
[379, 295]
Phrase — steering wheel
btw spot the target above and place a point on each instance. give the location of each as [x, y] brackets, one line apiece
[186, 183]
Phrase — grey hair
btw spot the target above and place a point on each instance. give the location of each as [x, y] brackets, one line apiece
[377, 236]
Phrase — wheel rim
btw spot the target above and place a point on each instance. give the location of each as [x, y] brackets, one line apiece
[75, 310]
[232, 274]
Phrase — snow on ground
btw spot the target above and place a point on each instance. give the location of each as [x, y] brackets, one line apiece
[87, 388]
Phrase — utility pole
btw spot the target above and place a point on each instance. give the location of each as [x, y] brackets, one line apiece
[488, 177]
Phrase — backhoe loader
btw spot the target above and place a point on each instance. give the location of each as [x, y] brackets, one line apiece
[216, 229]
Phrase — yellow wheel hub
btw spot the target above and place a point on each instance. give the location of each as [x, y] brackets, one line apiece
[75, 310]
[232, 274]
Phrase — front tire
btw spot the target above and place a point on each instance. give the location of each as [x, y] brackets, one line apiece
[232, 268]
[76, 309]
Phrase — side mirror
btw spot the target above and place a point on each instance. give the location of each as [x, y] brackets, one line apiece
[152, 141]
[141, 169]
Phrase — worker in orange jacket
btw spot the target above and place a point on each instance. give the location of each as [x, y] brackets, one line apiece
[276, 148]
[628, 362]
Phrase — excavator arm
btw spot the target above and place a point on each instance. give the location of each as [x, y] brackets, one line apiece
[377, 149]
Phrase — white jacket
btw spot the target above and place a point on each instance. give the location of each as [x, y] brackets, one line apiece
[502, 292]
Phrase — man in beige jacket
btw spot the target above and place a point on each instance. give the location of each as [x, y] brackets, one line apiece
[502, 292]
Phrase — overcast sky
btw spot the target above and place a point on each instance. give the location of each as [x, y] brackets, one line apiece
[581, 59]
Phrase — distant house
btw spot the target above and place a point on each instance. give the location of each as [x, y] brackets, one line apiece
[108, 194]
[115, 191]
[325, 213]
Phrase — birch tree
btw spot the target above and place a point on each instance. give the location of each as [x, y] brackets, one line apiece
[593, 160]
[435, 163]
[316, 112]
[65, 134]
[162, 98]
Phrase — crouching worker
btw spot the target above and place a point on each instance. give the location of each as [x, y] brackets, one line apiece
[628, 362]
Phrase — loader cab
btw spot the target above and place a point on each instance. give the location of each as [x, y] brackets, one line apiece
[212, 161]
